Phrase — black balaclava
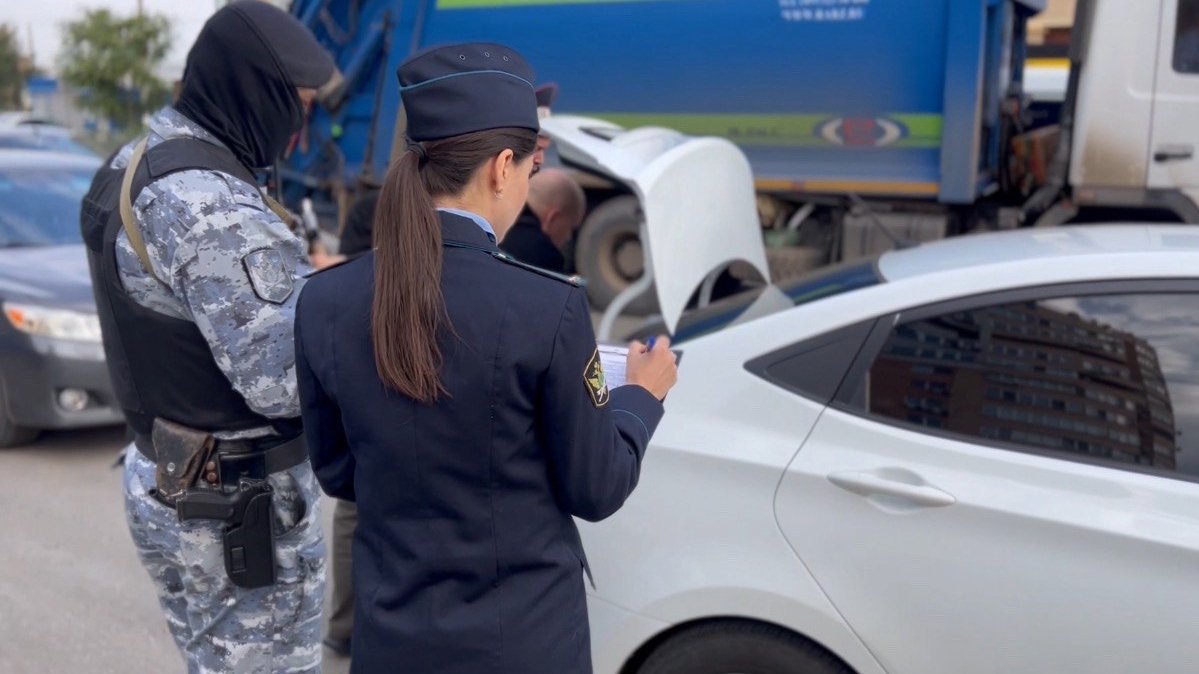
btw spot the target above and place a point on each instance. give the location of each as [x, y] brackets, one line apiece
[241, 78]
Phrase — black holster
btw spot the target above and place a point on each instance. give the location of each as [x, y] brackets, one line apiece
[181, 455]
[249, 538]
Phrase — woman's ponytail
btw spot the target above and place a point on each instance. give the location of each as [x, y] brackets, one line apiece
[408, 305]
[408, 312]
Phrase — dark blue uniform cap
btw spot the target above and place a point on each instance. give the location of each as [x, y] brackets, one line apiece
[462, 88]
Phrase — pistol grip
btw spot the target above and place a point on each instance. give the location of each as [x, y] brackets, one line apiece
[203, 505]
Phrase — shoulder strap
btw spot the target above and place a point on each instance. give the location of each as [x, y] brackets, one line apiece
[278, 209]
[127, 221]
[508, 259]
[171, 156]
[192, 153]
[187, 153]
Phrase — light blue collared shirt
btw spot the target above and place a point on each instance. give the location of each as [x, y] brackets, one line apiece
[478, 219]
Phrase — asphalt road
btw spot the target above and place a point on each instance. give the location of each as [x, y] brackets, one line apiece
[73, 596]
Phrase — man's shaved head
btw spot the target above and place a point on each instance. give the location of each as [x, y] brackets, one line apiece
[558, 202]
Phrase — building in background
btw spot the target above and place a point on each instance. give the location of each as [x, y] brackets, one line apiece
[53, 101]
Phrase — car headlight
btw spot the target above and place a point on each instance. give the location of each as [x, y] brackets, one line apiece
[55, 323]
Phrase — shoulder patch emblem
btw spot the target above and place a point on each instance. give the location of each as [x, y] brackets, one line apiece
[594, 380]
[268, 275]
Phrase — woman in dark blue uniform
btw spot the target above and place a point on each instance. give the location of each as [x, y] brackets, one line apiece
[457, 396]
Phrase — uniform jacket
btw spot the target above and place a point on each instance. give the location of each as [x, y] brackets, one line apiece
[466, 556]
[526, 242]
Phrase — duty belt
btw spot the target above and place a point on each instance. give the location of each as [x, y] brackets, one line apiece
[233, 460]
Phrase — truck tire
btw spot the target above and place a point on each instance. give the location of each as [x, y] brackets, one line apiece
[12, 435]
[737, 647]
[608, 255]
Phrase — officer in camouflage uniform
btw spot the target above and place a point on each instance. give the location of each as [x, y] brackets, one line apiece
[212, 291]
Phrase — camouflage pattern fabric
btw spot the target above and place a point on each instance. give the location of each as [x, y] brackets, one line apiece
[226, 262]
[233, 267]
[218, 626]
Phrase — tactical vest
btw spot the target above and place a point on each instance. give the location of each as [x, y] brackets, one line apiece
[160, 366]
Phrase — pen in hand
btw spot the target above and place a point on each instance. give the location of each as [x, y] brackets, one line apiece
[654, 369]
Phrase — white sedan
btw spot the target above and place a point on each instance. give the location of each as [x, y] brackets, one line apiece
[976, 456]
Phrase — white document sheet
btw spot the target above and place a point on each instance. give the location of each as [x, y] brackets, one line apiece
[614, 359]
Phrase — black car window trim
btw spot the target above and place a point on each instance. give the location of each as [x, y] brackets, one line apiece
[843, 400]
[860, 331]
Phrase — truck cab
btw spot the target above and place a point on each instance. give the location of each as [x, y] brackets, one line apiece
[1133, 143]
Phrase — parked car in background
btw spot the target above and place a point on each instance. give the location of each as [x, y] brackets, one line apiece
[41, 137]
[52, 370]
[17, 117]
[977, 455]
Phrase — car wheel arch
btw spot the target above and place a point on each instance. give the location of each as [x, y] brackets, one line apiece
[635, 661]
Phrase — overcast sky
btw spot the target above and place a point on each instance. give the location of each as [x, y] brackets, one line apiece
[43, 17]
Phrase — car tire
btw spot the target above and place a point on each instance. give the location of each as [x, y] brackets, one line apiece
[12, 435]
[739, 647]
[608, 255]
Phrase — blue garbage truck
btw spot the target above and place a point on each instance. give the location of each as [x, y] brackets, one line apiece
[868, 123]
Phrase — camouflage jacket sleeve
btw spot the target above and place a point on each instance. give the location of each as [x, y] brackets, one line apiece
[237, 269]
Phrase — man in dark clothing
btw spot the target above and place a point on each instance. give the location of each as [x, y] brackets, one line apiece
[196, 277]
[554, 209]
[356, 235]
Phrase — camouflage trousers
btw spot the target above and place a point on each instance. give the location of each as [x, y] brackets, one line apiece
[218, 626]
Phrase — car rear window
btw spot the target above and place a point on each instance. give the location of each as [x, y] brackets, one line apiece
[40, 206]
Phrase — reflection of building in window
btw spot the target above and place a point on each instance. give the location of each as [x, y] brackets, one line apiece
[1031, 375]
[1186, 37]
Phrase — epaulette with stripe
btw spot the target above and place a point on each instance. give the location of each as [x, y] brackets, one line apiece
[500, 255]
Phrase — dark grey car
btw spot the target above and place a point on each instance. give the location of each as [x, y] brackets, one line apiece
[52, 371]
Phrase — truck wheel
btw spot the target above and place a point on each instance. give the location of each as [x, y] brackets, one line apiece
[737, 647]
[12, 435]
[608, 254]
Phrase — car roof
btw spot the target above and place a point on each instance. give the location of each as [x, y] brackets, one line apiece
[33, 129]
[20, 117]
[25, 159]
[1058, 244]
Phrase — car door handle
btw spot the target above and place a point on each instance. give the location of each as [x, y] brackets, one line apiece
[1167, 153]
[899, 483]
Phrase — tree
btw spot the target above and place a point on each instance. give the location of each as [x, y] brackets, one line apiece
[14, 68]
[113, 60]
